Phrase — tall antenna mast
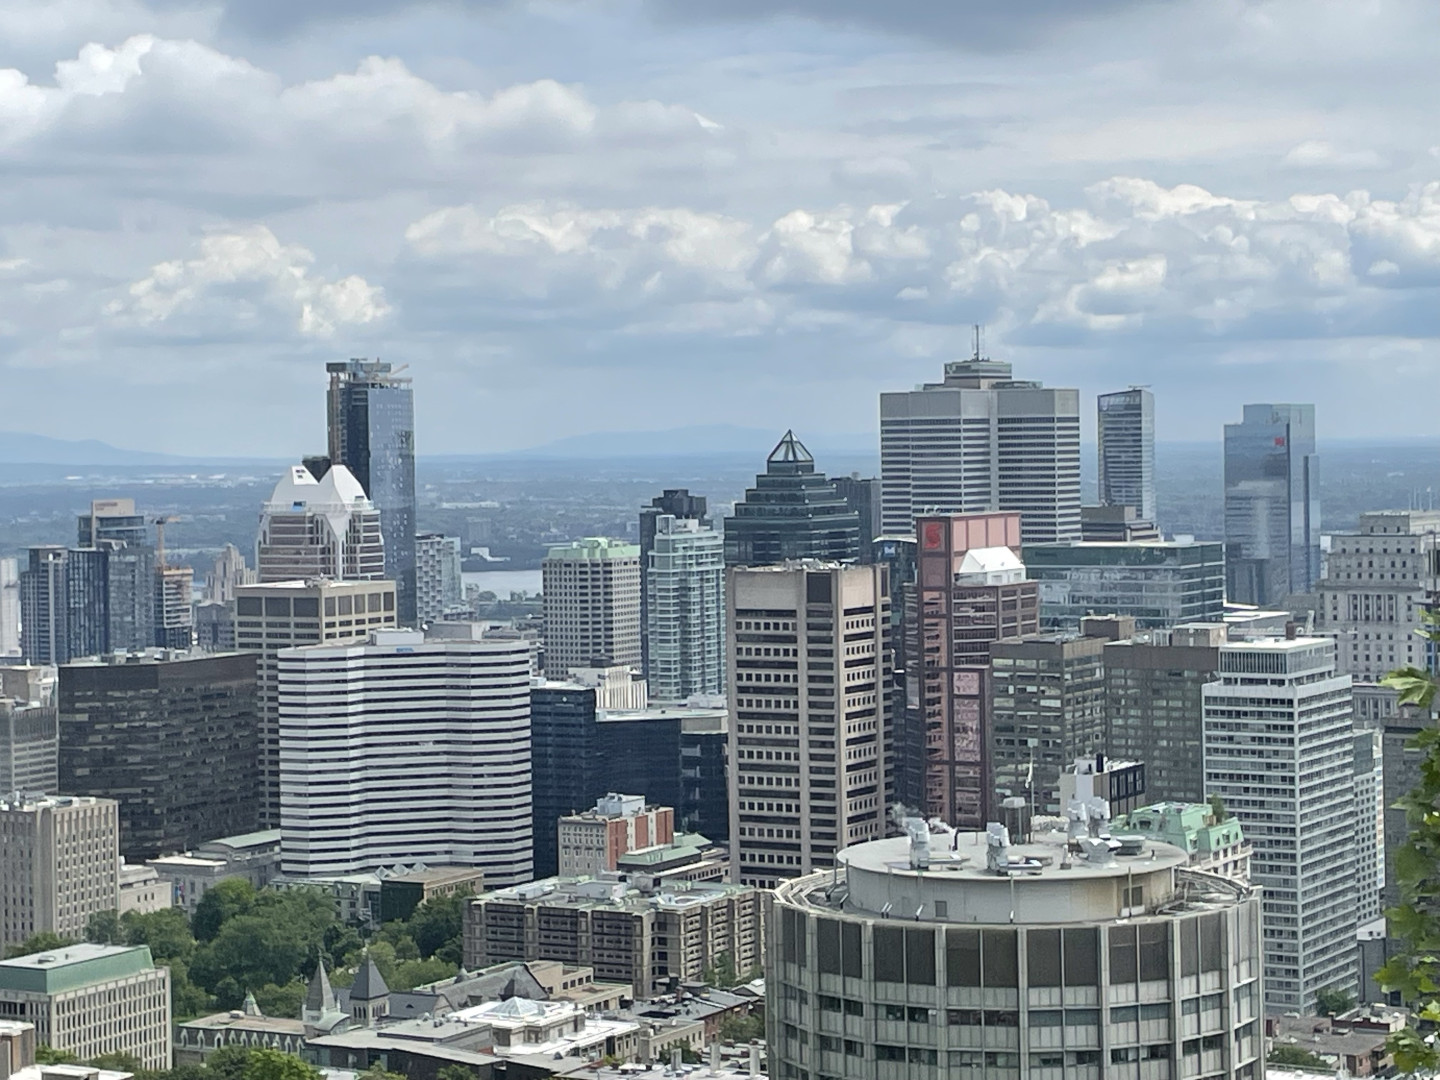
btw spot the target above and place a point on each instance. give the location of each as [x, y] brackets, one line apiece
[976, 328]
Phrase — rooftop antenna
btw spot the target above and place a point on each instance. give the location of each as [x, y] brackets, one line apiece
[976, 328]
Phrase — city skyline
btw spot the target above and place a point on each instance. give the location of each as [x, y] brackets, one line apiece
[651, 216]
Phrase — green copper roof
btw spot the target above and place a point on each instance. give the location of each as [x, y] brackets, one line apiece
[72, 967]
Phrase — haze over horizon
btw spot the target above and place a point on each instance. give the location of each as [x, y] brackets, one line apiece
[640, 214]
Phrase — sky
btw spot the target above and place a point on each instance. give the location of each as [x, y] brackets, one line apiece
[620, 215]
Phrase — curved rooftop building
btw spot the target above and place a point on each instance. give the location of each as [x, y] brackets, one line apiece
[947, 954]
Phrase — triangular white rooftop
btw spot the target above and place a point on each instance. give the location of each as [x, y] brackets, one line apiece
[991, 566]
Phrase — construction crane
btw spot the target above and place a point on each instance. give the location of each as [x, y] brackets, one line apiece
[160, 524]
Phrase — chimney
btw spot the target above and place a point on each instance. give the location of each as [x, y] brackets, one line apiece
[675, 1059]
[714, 1057]
[754, 1059]
[1292, 631]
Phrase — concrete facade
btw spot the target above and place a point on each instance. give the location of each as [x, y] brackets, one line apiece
[592, 606]
[59, 857]
[810, 674]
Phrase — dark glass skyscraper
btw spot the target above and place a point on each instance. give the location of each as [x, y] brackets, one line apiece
[565, 767]
[1126, 434]
[1272, 505]
[792, 512]
[372, 433]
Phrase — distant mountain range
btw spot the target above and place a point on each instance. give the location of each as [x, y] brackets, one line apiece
[20, 448]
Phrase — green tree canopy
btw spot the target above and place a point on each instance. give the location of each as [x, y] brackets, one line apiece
[1333, 1001]
[103, 928]
[228, 898]
[1298, 1056]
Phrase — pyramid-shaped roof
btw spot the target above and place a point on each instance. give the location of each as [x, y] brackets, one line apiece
[790, 451]
[319, 998]
[369, 984]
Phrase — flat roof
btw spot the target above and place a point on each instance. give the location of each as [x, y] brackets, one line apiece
[73, 966]
[1044, 858]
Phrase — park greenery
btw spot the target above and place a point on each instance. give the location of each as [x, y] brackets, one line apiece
[268, 942]
[1300, 1058]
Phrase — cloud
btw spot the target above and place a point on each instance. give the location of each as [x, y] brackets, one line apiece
[1318, 154]
[1135, 260]
[243, 278]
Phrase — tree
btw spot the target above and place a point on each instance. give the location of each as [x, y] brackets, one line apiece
[282, 1001]
[275, 1065]
[1414, 970]
[1217, 808]
[48, 1055]
[166, 931]
[37, 943]
[229, 898]
[228, 1062]
[742, 1028]
[379, 1072]
[723, 975]
[103, 928]
[412, 973]
[1332, 1001]
[455, 1072]
[1298, 1055]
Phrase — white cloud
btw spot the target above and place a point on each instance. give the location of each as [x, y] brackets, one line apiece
[1319, 154]
[248, 274]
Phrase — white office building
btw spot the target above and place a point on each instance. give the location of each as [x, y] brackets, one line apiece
[323, 528]
[285, 614]
[1370, 806]
[406, 749]
[1279, 750]
[810, 672]
[437, 577]
[685, 610]
[982, 441]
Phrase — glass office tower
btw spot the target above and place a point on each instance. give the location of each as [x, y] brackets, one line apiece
[1272, 505]
[372, 433]
[1126, 434]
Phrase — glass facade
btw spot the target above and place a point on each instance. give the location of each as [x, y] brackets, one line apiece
[1158, 584]
[372, 433]
[1126, 432]
[1272, 505]
[792, 512]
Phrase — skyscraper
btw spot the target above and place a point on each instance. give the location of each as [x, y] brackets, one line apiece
[685, 594]
[112, 519]
[792, 512]
[9, 607]
[1272, 505]
[862, 495]
[809, 662]
[228, 573]
[357, 795]
[564, 762]
[592, 605]
[971, 592]
[1280, 752]
[1049, 709]
[173, 739]
[323, 528]
[982, 441]
[681, 505]
[269, 618]
[44, 606]
[1154, 704]
[437, 576]
[372, 433]
[1126, 434]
